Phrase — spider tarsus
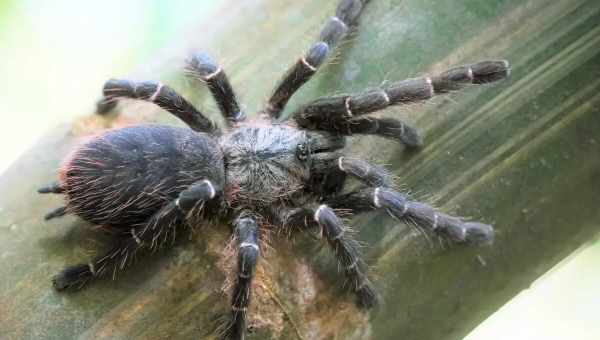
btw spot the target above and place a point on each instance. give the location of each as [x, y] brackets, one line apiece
[237, 327]
[72, 277]
[348, 11]
[106, 105]
[54, 188]
[58, 212]
[228, 326]
[410, 137]
[366, 296]
[400, 131]
[482, 72]
[203, 65]
[490, 71]
[477, 233]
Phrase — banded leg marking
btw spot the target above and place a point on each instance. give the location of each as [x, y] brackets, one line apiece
[342, 114]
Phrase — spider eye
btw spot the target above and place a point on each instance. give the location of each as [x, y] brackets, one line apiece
[302, 151]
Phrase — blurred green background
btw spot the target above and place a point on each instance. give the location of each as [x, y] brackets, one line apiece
[55, 55]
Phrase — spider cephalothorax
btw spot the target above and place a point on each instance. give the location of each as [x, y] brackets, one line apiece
[266, 162]
[144, 182]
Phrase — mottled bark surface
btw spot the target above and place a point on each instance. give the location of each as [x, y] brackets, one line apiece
[522, 155]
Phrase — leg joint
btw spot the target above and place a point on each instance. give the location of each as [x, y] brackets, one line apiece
[159, 87]
[92, 268]
[340, 21]
[135, 237]
[238, 309]
[347, 106]
[212, 75]
[308, 65]
[318, 213]
[211, 188]
[376, 202]
[250, 245]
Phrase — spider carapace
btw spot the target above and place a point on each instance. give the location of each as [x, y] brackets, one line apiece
[146, 181]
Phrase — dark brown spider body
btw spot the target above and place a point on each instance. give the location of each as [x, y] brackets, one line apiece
[148, 181]
[123, 176]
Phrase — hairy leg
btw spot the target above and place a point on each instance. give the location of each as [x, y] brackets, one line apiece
[380, 195]
[345, 248]
[203, 68]
[346, 16]
[246, 235]
[52, 188]
[151, 235]
[58, 212]
[341, 114]
[161, 95]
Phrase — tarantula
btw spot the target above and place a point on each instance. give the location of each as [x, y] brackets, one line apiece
[144, 182]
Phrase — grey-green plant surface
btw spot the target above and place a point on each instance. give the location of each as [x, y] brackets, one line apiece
[522, 155]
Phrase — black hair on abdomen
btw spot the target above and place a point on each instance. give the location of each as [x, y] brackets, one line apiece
[124, 176]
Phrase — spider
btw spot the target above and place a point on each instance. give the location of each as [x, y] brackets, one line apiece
[144, 182]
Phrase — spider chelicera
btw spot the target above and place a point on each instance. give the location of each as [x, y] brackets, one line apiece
[144, 182]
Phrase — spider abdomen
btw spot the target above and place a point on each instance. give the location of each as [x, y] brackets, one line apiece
[124, 176]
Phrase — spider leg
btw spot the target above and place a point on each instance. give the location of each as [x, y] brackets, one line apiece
[161, 95]
[150, 235]
[58, 212]
[105, 105]
[399, 206]
[52, 188]
[346, 249]
[203, 68]
[380, 196]
[246, 234]
[333, 32]
[341, 113]
[385, 127]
